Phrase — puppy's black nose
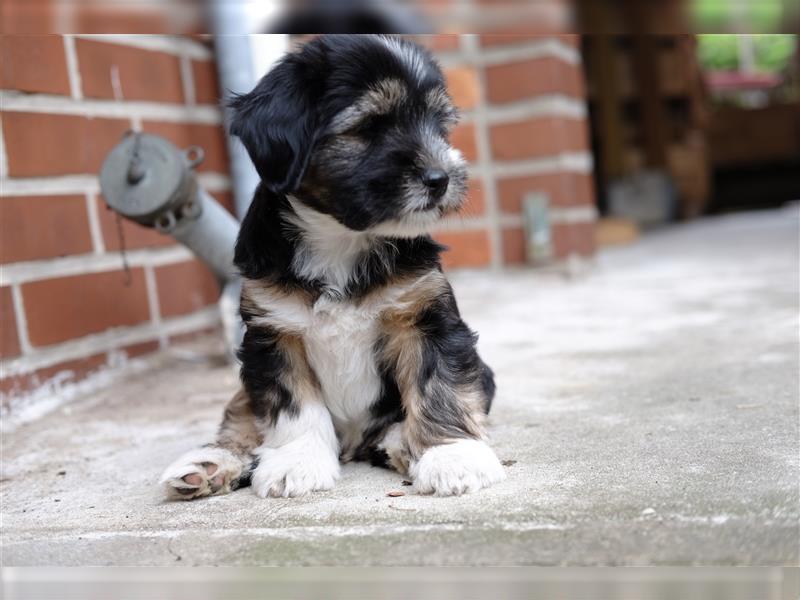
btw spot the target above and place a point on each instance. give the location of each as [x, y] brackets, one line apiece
[436, 180]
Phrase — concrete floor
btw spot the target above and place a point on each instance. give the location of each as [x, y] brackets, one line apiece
[647, 410]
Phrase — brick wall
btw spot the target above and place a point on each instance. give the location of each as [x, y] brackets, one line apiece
[524, 129]
[68, 307]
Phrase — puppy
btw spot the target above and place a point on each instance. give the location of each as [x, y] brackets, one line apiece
[354, 348]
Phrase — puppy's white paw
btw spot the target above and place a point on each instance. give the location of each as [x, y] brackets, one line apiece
[295, 469]
[458, 468]
[201, 472]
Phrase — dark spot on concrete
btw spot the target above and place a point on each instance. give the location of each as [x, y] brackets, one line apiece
[508, 463]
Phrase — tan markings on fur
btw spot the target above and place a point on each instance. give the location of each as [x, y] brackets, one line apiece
[438, 98]
[274, 306]
[400, 460]
[406, 298]
[238, 432]
[286, 311]
[404, 349]
[299, 376]
[396, 448]
[381, 99]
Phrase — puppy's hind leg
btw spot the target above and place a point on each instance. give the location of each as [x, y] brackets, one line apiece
[222, 466]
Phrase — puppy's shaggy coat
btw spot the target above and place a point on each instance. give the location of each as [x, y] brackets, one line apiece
[354, 347]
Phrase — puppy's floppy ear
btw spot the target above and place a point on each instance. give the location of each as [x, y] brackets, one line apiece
[277, 123]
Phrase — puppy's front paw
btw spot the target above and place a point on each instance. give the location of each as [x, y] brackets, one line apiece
[201, 472]
[295, 469]
[458, 468]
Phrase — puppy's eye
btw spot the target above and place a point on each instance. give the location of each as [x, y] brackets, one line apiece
[446, 119]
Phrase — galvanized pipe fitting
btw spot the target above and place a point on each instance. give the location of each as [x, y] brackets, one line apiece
[151, 182]
[148, 180]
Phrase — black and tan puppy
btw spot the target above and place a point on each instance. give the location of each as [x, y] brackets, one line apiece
[354, 348]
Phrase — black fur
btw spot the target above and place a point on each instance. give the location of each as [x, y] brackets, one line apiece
[278, 122]
[262, 365]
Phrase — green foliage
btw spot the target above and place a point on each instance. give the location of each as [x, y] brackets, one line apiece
[728, 15]
[774, 52]
[718, 52]
[721, 52]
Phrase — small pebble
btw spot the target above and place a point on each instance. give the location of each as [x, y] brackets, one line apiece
[648, 512]
[395, 494]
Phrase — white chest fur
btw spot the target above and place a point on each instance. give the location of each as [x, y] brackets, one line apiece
[340, 343]
[339, 337]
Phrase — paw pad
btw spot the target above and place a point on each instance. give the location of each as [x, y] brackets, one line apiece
[202, 472]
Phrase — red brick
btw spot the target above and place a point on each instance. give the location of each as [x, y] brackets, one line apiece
[82, 143]
[573, 238]
[209, 137]
[507, 39]
[143, 74]
[36, 227]
[567, 238]
[206, 84]
[130, 17]
[526, 79]
[570, 39]
[28, 18]
[185, 287]
[463, 138]
[462, 83]
[465, 248]
[135, 235]
[80, 367]
[475, 203]
[70, 307]
[71, 371]
[562, 189]
[9, 339]
[34, 63]
[141, 348]
[442, 42]
[537, 137]
[514, 39]
[77, 370]
[511, 17]
[513, 241]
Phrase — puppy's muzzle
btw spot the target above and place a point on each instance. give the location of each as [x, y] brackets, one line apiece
[436, 180]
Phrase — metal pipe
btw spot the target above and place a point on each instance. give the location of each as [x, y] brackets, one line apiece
[148, 180]
[211, 235]
[236, 75]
